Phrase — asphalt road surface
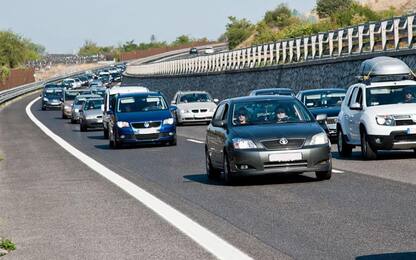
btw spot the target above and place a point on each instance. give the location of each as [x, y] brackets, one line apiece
[354, 215]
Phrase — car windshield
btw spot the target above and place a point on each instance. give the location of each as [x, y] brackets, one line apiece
[269, 112]
[274, 92]
[390, 95]
[104, 78]
[53, 93]
[195, 97]
[141, 104]
[93, 104]
[79, 101]
[99, 92]
[324, 99]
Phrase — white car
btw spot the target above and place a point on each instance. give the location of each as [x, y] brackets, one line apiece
[379, 113]
[209, 50]
[194, 106]
[71, 82]
[109, 100]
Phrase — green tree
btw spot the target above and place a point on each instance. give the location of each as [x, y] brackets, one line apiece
[355, 14]
[89, 48]
[326, 8]
[238, 31]
[182, 40]
[279, 17]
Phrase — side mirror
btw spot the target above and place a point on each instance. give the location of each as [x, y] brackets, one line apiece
[102, 108]
[216, 100]
[355, 106]
[62, 100]
[321, 117]
[173, 102]
[173, 108]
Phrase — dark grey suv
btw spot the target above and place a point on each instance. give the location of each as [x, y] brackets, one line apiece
[266, 134]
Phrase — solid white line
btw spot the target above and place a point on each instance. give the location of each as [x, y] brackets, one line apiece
[337, 171]
[205, 238]
[195, 141]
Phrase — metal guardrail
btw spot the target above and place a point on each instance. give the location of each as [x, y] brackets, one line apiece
[393, 34]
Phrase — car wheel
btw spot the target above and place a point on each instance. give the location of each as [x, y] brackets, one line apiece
[73, 121]
[82, 126]
[211, 171]
[228, 178]
[64, 116]
[344, 149]
[173, 142]
[43, 108]
[177, 121]
[105, 133]
[367, 151]
[324, 175]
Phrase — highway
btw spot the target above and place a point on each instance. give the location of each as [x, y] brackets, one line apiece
[367, 208]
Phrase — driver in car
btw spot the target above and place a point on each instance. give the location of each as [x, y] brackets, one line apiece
[281, 115]
[408, 98]
[242, 117]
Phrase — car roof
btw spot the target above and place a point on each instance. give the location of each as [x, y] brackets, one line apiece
[312, 91]
[192, 92]
[135, 94]
[88, 96]
[391, 83]
[127, 89]
[266, 89]
[259, 98]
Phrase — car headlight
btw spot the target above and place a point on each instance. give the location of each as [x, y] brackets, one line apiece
[320, 138]
[182, 111]
[45, 99]
[67, 107]
[168, 121]
[122, 124]
[240, 143]
[76, 110]
[385, 120]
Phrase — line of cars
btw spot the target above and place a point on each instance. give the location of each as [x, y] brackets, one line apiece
[270, 130]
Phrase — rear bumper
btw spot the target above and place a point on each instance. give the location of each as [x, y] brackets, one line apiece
[316, 158]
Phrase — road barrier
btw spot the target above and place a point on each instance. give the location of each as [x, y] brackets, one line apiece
[393, 34]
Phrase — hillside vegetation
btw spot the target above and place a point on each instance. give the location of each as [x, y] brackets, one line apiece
[284, 22]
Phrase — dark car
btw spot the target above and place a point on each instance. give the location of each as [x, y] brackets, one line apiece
[265, 134]
[273, 91]
[138, 118]
[193, 51]
[51, 97]
[326, 102]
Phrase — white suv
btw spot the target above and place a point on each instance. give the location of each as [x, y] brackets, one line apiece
[380, 112]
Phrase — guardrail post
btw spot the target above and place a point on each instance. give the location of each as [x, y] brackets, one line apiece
[298, 54]
[371, 32]
[331, 43]
[320, 44]
[410, 20]
[340, 41]
[291, 51]
[271, 53]
[396, 23]
[305, 48]
[313, 45]
[360, 38]
[278, 52]
[284, 44]
[349, 35]
[384, 35]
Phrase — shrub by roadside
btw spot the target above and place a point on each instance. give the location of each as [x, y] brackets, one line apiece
[6, 246]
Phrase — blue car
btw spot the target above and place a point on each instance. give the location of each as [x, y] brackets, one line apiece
[139, 118]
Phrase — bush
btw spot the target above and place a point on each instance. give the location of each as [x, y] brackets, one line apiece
[279, 17]
[8, 245]
[238, 31]
[327, 8]
[356, 14]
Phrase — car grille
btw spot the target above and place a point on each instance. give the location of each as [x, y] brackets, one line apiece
[147, 137]
[141, 124]
[199, 110]
[293, 143]
[99, 116]
[302, 163]
[404, 137]
[332, 120]
[405, 122]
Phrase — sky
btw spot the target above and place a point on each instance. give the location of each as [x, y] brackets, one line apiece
[63, 26]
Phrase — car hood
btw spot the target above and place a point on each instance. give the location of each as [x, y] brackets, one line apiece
[144, 116]
[289, 130]
[93, 112]
[197, 105]
[395, 109]
[328, 111]
[68, 102]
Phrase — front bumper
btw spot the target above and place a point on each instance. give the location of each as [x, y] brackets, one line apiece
[93, 123]
[51, 105]
[75, 115]
[128, 136]
[397, 140]
[255, 162]
[67, 111]
[195, 117]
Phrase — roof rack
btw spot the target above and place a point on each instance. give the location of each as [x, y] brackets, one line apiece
[384, 67]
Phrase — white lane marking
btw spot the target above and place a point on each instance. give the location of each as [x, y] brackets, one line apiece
[337, 171]
[195, 141]
[205, 238]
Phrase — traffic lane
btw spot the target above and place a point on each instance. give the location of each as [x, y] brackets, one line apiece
[54, 207]
[392, 165]
[349, 216]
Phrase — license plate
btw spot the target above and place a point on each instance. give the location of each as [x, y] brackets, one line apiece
[147, 131]
[99, 120]
[285, 157]
[411, 131]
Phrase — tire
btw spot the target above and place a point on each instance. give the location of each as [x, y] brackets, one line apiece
[212, 173]
[43, 108]
[82, 126]
[228, 178]
[105, 131]
[325, 175]
[177, 121]
[73, 121]
[344, 149]
[173, 142]
[367, 152]
[64, 116]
